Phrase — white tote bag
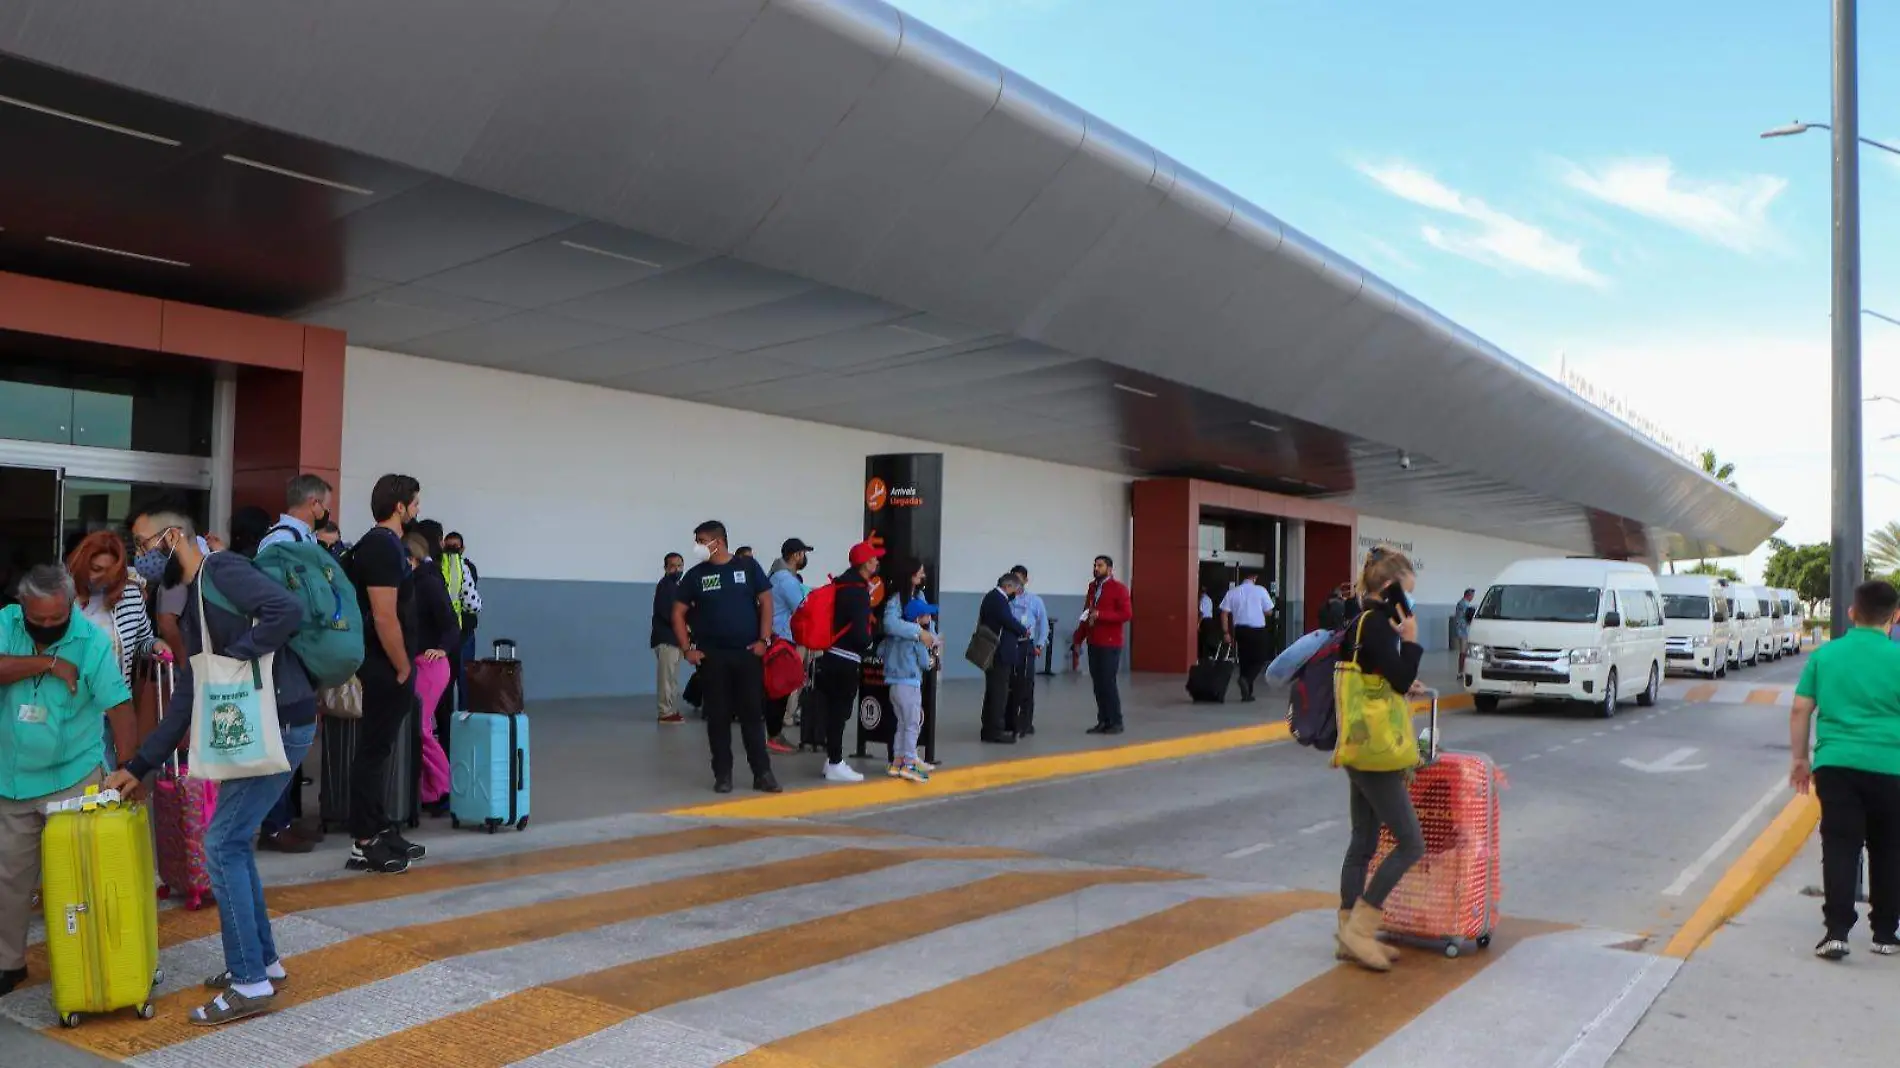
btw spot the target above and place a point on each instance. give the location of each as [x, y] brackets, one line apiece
[234, 729]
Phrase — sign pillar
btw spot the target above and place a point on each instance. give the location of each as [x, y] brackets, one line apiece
[903, 513]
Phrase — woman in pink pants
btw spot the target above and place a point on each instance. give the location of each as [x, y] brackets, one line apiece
[436, 632]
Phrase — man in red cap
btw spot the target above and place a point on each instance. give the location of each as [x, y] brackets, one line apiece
[841, 669]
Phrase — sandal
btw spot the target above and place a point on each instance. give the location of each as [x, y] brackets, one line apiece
[229, 1007]
[222, 981]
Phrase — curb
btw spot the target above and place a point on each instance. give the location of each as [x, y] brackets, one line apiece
[950, 782]
[1766, 856]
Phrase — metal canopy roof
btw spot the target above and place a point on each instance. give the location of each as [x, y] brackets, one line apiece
[817, 208]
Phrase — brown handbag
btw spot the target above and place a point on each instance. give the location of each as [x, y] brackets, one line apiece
[494, 684]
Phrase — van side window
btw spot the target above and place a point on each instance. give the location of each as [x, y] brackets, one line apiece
[1609, 602]
[1720, 605]
[1654, 609]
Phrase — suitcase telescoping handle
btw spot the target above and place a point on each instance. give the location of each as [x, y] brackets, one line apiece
[505, 649]
[1431, 729]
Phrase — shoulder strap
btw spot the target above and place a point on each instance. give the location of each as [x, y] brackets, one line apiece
[295, 534]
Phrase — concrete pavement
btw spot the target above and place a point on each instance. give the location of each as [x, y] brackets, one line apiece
[1176, 913]
[1755, 994]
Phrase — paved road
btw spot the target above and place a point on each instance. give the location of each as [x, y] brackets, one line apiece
[1177, 914]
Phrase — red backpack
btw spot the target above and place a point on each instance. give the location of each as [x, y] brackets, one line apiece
[815, 622]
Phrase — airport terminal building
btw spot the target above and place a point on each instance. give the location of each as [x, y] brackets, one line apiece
[594, 273]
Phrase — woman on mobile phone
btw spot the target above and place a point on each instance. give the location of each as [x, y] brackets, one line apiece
[1383, 641]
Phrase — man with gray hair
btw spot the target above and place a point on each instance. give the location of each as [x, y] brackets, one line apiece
[996, 614]
[59, 677]
[307, 500]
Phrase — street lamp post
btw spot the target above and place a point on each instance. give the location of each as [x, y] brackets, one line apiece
[1798, 127]
[1846, 562]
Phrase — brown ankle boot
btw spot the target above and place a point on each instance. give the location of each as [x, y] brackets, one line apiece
[1359, 937]
[1339, 948]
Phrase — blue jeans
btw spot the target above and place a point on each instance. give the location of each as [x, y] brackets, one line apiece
[232, 859]
[1105, 665]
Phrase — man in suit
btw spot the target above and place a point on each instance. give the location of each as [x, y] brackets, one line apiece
[996, 614]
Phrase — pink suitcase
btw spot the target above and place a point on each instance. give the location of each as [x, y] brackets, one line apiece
[1450, 898]
[181, 810]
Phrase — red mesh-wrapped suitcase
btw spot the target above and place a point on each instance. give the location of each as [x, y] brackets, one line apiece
[1451, 896]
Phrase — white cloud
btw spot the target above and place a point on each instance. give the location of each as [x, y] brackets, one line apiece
[1494, 238]
[1733, 214]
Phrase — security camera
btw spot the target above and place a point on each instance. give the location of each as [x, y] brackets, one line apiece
[1405, 460]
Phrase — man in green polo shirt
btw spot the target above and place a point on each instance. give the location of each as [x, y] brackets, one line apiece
[59, 676]
[1851, 691]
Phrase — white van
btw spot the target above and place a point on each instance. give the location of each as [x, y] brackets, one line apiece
[1751, 627]
[1768, 645]
[1568, 630]
[1794, 633]
[1701, 637]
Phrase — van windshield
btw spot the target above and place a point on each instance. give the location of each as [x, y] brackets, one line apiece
[1685, 606]
[1542, 604]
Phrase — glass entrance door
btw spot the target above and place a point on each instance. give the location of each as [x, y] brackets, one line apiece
[31, 505]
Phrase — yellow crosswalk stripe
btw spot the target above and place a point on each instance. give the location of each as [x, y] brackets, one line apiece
[360, 961]
[176, 926]
[531, 1022]
[1332, 1021]
[951, 1020]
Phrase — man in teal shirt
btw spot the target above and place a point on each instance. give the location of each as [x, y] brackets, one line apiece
[59, 676]
[1851, 690]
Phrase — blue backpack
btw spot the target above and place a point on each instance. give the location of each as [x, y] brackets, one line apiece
[1311, 716]
[329, 639]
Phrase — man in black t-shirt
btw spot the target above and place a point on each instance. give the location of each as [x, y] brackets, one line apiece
[379, 568]
[731, 606]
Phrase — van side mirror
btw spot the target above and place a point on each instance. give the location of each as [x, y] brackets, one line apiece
[1612, 619]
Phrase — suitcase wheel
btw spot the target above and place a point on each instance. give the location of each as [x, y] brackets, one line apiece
[1451, 949]
[70, 1020]
[158, 977]
[146, 1011]
[196, 901]
[522, 825]
[455, 821]
[492, 825]
[1484, 941]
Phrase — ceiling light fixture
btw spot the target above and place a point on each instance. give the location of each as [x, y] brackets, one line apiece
[1130, 448]
[1231, 467]
[118, 252]
[1125, 388]
[578, 247]
[300, 176]
[96, 124]
[1263, 426]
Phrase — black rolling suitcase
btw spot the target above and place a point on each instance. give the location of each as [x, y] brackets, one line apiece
[1209, 680]
[338, 743]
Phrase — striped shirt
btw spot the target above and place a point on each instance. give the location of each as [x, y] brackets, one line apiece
[129, 627]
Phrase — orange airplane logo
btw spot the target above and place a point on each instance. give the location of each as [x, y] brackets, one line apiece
[875, 494]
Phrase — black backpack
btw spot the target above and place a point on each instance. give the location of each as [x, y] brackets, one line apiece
[1311, 715]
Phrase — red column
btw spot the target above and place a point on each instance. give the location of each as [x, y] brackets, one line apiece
[1167, 537]
[1330, 560]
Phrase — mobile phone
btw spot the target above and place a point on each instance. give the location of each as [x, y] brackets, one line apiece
[1394, 596]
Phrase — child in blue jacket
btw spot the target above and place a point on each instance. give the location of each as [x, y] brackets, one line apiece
[906, 661]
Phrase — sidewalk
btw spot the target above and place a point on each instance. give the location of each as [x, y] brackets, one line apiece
[601, 756]
[1755, 994]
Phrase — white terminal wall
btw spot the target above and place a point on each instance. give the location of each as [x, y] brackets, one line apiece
[570, 494]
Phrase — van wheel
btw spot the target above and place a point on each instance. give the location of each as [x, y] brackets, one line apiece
[1485, 702]
[1608, 708]
[1647, 698]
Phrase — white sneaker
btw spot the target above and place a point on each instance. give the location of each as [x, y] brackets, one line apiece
[842, 772]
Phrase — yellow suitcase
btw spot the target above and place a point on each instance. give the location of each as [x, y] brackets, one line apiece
[98, 890]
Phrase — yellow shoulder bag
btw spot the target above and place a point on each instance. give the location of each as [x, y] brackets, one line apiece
[1375, 721]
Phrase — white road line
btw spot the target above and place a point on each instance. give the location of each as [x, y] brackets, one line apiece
[1534, 756]
[1589, 1030]
[1320, 826]
[1694, 871]
[1618, 727]
[1596, 734]
[1556, 747]
[1247, 851]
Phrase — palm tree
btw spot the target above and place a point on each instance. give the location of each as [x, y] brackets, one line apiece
[1883, 549]
[1715, 469]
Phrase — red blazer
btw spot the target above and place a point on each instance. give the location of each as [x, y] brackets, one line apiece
[1113, 609]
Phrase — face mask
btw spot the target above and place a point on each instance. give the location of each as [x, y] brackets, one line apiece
[47, 635]
[703, 552]
[151, 564]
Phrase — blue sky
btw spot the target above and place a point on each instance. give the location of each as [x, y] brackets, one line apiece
[1575, 179]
